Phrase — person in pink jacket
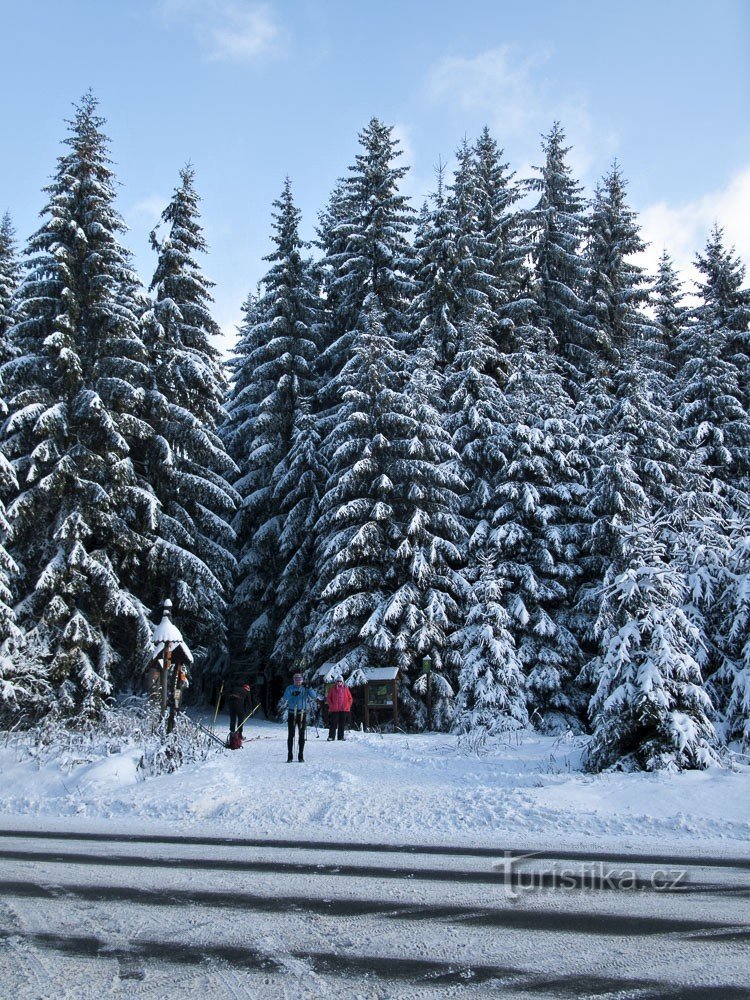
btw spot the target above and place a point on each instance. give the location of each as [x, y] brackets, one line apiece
[339, 699]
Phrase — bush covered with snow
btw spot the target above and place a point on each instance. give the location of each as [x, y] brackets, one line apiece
[129, 724]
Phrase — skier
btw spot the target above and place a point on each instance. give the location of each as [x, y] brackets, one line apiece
[339, 700]
[240, 705]
[296, 698]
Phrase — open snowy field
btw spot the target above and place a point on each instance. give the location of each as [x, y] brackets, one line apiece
[526, 793]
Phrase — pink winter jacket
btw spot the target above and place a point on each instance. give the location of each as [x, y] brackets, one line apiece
[339, 698]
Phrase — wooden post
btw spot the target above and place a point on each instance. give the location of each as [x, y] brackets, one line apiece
[426, 667]
[165, 677]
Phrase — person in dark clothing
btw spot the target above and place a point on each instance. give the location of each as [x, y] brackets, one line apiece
[296, 698]
[240, 706]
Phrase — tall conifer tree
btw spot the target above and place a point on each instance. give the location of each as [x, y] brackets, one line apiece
[616, 288]
[559, 224]
[501, 230]
[366, 236]
[711, 387]
[75, 404]
[274, 385]
[650, 709]
[9, 279]
[191, 558]
[669, 312]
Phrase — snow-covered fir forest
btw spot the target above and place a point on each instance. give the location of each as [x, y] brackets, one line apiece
[474, 430]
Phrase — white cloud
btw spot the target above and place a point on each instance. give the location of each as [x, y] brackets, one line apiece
[149, 208]
[402, 135]
[518, 100]
[683, 229]
[414, 185]
[229, 30]
[498, 81]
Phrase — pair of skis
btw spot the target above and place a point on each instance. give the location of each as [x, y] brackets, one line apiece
[212, 734]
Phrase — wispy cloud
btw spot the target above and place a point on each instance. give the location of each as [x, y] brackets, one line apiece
[509, 87]
[149, 209]
[229, 30]
[683, 229]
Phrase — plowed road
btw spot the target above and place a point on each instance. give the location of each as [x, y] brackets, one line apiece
[88, 915]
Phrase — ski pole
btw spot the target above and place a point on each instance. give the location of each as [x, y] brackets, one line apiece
[248, 716]
[218, 702]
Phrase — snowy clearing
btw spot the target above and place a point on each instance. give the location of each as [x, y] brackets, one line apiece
[526, 793]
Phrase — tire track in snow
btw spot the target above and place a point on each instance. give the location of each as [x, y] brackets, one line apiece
[503, 879]
[673, 861]
[414, 971]
[540, 920]
[272, 957]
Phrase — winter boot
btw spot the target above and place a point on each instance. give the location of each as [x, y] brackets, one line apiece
[301, 759]
[290, 759]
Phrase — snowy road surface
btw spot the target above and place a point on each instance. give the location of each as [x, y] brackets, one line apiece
[385, 866]
[83, 915]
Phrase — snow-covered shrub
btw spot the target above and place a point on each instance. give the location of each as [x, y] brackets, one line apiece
[650, 710]
[129, 724]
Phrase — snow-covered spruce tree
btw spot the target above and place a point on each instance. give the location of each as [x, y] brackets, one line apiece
[300, 479]
[18, 682]
[537, 536]
[274, 375]
[669, 312]
[358, 532]
[75, 401]
[616, 289]
[650, 710]
[731, 682]
[331, 240]
[710, 401]
[10, 273]
[457, 257]
[558, 223]
[635, 473]
[9, 278]
[501, 230]
[491, 681]
[439, 298]
[725, 304]
[474, 257]
[367, 251]
[711, 387]
[190, 559]
[424, 610]
[474, 411]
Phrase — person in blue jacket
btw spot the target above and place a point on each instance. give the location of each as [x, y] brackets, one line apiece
[296, 698]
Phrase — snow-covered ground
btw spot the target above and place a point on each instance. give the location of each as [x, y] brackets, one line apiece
[525, 793]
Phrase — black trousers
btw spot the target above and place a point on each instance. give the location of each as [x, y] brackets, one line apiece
[300, 724]
[235, 716]
[336, 724]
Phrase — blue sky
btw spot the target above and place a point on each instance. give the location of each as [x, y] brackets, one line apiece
[252, 91]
